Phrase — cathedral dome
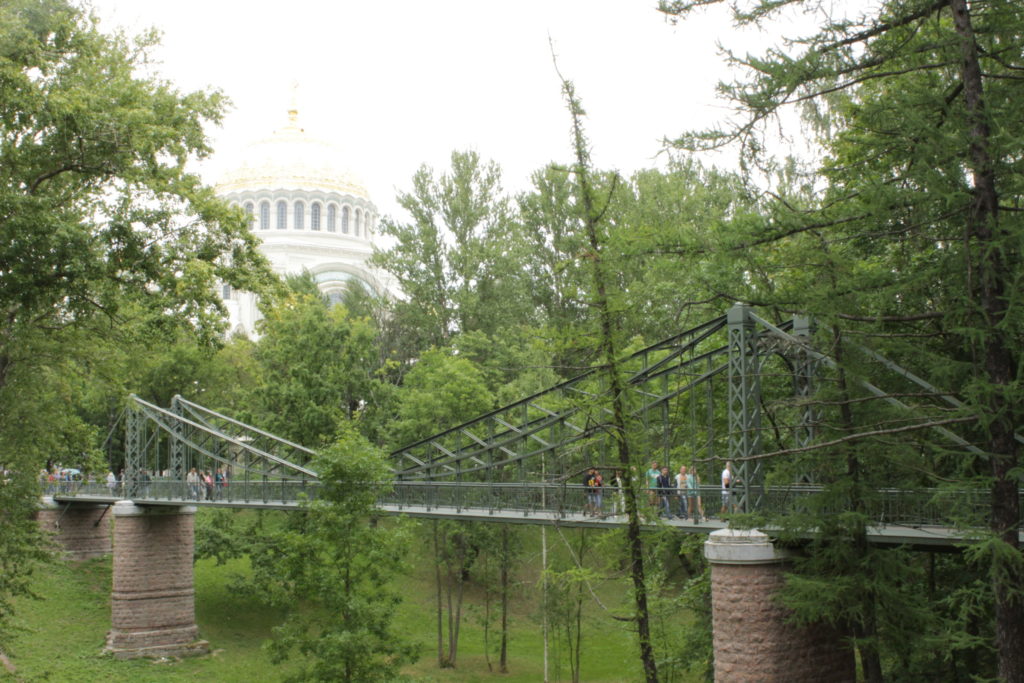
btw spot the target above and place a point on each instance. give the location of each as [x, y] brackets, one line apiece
[290, 159]
[309, 214]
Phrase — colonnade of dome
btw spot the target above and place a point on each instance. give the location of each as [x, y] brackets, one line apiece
[309, 213]
[274, 212]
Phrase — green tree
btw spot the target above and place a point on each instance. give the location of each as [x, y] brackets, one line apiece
[440, 392]
[459, 263]
[317, 367]
[609, 341]
[917, 236]
[551, 226]
[515, 363]
[100, 223]
[334, 569]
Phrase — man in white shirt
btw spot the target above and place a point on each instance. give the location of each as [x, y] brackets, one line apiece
[681, 488]
[727, 480]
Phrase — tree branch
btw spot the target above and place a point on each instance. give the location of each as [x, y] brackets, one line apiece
[854, 437]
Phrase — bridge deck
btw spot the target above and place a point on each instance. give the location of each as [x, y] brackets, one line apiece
[921, 536]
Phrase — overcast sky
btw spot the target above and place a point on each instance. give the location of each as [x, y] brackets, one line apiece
[399, 83]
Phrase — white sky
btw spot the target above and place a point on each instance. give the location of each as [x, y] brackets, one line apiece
[399, 83]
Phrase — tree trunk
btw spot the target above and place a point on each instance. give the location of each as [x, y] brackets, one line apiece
[610, 357]
[441, 659]
[578, 642]
[544, 595]
[505, 561]
[866, 629]
[994, 277]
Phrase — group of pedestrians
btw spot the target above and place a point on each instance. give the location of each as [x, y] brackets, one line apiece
[204, 485]
[664, 491]
[595, 484]
[685, 488]
[57, 479]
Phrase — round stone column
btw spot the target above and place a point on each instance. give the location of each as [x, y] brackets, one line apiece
[152, 605]
[752, 641]
[81, 529]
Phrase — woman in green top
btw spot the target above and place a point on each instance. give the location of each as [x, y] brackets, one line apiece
[652, 484]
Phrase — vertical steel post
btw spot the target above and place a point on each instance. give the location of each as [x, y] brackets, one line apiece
[744, 409]
[711, 410]
[177, 465]
[666, 425]
[133, 445]
[805, 370]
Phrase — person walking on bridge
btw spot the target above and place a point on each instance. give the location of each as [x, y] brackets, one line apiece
[665, 484]
[220, 480]
[593, 482]
[693, 495]
[652, 484]
[681, 491]
[192, 479]
[728, 480]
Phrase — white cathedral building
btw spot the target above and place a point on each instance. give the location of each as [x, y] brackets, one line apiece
[309, 212]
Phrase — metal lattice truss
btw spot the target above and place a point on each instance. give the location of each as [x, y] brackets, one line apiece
[169, 444]
[695, 399]
[555, 433]
[675, 394]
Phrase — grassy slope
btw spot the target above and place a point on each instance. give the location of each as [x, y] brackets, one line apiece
[66, 632]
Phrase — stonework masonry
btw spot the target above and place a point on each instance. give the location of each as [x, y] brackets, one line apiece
[81, 530]
[152, 605]
[752, 641]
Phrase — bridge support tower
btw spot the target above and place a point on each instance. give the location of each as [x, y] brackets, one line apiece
[82, 530]
[153, 598]
[752, 641]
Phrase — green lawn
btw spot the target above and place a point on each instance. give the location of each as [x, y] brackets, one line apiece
[65, 631]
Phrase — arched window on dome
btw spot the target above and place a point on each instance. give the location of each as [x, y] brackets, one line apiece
[300, 216]
[282, 215]
[314, 216]
[250, 220]
[332, 217]
[359, 218]
[344, 219]
[264, 215]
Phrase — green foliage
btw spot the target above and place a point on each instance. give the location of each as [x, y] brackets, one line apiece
[460, 262]
[218, 537]
[317, 368]
[909, 237]
[95, 204]
[22, 547]
[105, 239]
[514, 363]
[333, 567]
[441, 391]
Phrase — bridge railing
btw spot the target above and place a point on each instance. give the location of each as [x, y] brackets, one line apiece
[925, 507]
[272, 492]
[906, 507]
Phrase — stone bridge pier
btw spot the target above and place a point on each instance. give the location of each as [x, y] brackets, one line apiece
[81, 530]
[152, 602]
[752, 641]
[152, 605]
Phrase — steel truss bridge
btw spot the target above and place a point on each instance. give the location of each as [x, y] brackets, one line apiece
[737, 387]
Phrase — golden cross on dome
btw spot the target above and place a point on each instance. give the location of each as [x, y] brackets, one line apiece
[293, 107]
